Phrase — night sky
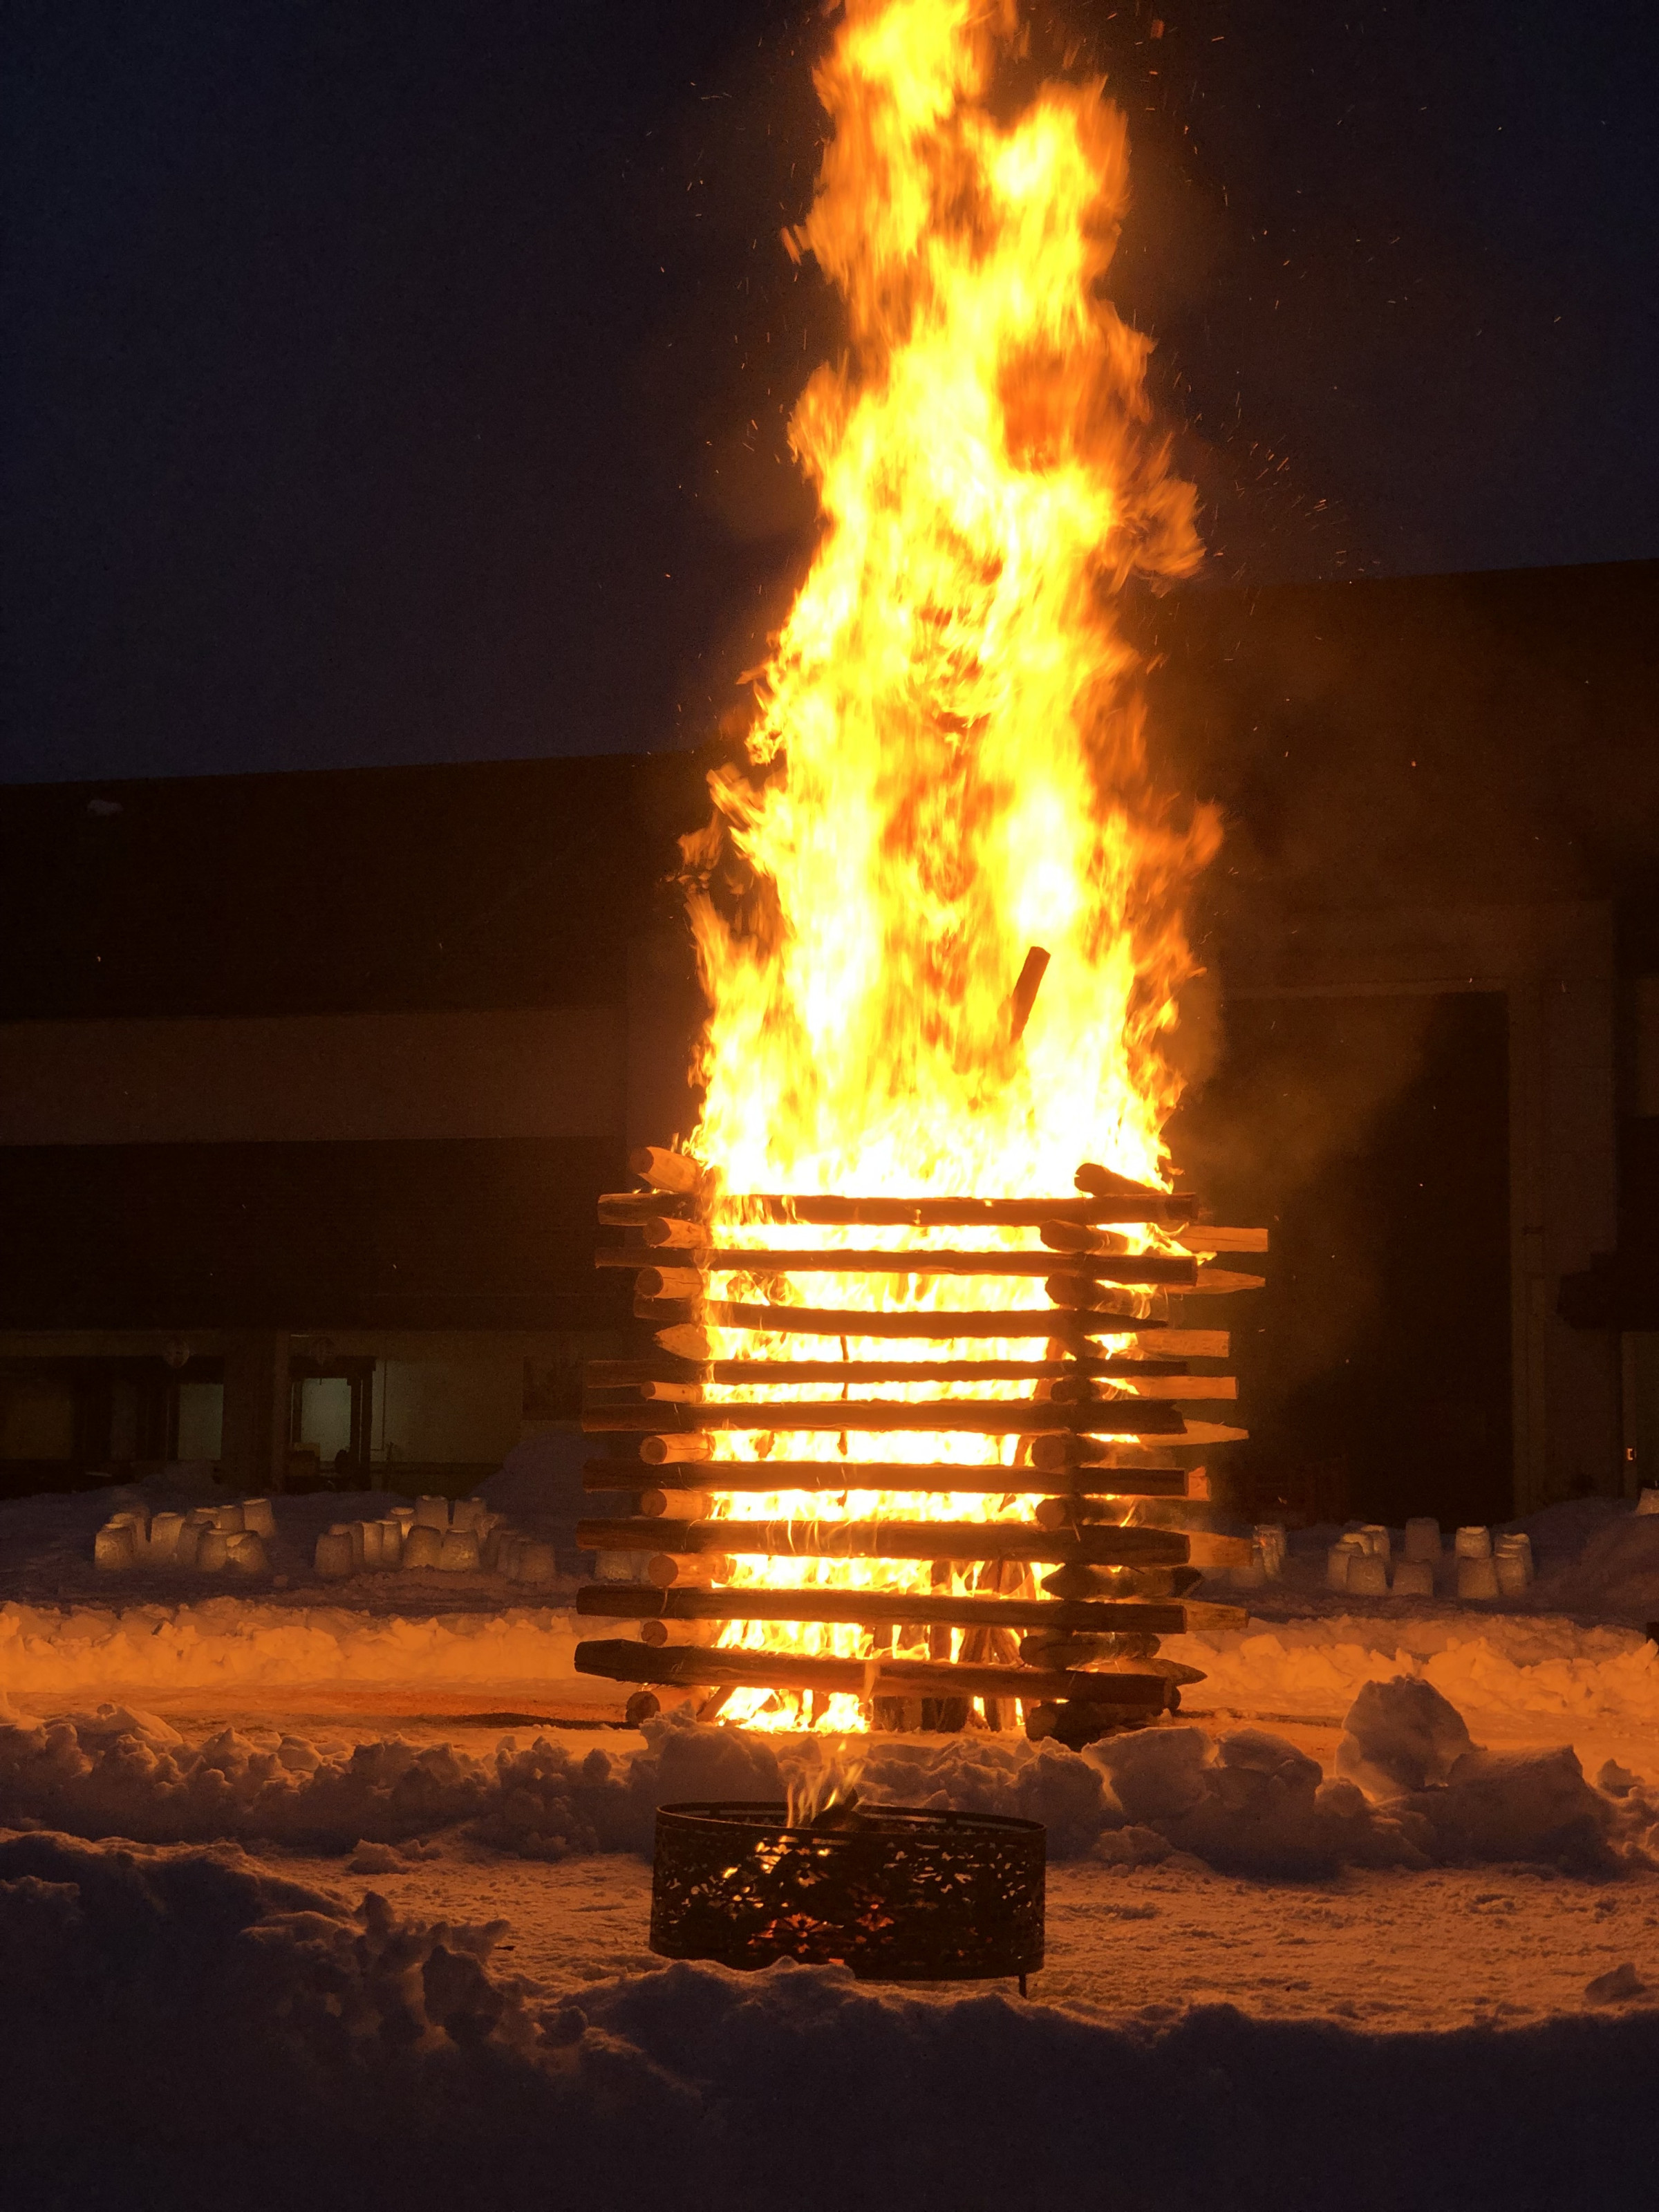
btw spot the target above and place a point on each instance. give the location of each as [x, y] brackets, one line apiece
[407, 383]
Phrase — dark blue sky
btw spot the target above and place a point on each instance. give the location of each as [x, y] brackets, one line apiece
[401, 383]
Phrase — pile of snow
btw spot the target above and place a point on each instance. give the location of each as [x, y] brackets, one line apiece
[185, 2029]
[1411, 1791]
[1523, 1669]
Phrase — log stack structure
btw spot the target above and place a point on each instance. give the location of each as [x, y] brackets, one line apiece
[1052, 1617]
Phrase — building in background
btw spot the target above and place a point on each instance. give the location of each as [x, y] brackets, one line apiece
[308, 1086]
[308, 1083]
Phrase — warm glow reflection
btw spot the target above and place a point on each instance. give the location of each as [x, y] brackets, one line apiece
[948, 763]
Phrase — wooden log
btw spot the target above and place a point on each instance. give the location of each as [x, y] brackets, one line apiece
[974, 1417]
[1193, 1343]
[693, 1343]
[1219, 1282]
[1023, 997]
[1214, 1432]
[1053, 1453]
[1153, 1585]
[1169, 1270]
[665, 1170]
[665, 1451]
[669, 1569]
[1069, 1507]
[676, 1504]
[675, 1233]
[1087, 1294]
[656, 1378]
[919, 1539]
[625, 1661]
[827, 1209]
[1168, 1380]
[684, 1285]
[749, 1477]
[1169, 1388]
[1078, 1236]
[1106, 1183]
[1202, 1238]
[944, 1325]
[882, 1609]
[632, 1209]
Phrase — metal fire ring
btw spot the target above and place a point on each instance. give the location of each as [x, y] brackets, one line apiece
[897, 1893]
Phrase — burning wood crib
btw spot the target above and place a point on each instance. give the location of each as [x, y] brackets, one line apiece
[1099, 1437]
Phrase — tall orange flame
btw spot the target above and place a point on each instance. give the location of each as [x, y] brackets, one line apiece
[948, 763]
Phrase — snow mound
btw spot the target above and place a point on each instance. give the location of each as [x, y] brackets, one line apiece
[187, 2029]
[1510, 1669]
[1616, 1572]
[1400, 1735]
[1250, 1803]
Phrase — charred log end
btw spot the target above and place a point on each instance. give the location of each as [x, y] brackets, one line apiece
[1077, 1722]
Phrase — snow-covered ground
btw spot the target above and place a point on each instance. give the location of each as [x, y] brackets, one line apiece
[1375, 1923]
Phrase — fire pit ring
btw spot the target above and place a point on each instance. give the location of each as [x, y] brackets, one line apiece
[898, 1894]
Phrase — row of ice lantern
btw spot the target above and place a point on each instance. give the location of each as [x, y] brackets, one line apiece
[220, 1539]
[469, 1539]
[210, 1538]
[1361, 1564]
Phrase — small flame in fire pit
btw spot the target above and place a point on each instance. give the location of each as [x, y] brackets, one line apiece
[822, 1791]
[947, 766]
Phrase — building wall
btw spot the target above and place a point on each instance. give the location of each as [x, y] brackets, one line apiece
[546, 1072]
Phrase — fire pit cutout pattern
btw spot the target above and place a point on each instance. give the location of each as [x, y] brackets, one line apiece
[897, 1894]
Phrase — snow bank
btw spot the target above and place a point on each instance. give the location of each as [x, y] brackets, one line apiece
[1250, 1803]
[184, 2029]
[223, 1643]
[1510, 1668]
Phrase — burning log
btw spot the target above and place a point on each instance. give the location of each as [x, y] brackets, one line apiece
[1055, 1454]
[761, 1475]
[1169, 1270]
[692, 1343]
[1093, 1545]
[652, 1377]
[1204, 1238]
[1085, 1294]
[1062, 1236]
[1156, 1382]
[665, 1170]
[1106, 1183]
[881, 1609]
[1093, 1504]
[941, 1327]
[982, 1417]
[832, 1210]
[1023, 997]
[691, 1665]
